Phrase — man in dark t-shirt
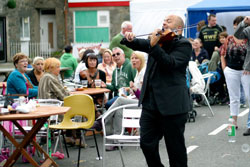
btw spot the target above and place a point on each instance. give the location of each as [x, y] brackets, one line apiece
[209, 35]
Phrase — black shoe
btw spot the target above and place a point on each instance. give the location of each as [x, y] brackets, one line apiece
[247, 132]
[43, 140]
[97, 125]
[112, 148]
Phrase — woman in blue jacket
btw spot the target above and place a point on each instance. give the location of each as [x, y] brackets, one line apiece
[18, 80]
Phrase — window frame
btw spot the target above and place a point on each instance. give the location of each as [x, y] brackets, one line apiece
[99, 25]
[22, 29]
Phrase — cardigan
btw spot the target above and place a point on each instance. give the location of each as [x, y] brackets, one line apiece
[16, 84]
[51, 88]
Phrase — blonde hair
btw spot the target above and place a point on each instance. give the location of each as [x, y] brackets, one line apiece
[18, 57]
[108, 50]
[37, 59]
[50, 64]
[141, 56]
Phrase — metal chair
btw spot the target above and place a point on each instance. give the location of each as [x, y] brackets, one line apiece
[44, 132]
[131, 116]
[81, 105]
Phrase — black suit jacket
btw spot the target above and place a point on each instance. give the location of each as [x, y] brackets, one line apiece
[166, 73]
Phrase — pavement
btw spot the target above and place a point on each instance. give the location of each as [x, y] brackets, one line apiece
[206, 141]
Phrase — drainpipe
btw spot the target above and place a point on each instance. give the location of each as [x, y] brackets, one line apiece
[65, 22]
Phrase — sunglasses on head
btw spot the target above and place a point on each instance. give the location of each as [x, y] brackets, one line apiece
[118, 54]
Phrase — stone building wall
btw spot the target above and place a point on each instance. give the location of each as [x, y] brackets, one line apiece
[31, 8]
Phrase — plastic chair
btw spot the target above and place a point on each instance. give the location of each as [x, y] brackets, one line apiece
[131, 116]
[81, 105]
[203, 93]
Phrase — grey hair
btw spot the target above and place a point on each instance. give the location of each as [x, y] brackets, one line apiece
[37, 58]
[118, 49]
[125, 24]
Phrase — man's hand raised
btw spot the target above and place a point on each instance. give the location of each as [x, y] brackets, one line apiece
[155, 37]
[129, 36]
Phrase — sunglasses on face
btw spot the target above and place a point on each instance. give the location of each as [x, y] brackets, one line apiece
[116, 54]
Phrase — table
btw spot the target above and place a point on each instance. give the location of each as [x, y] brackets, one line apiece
[91, 91]
[41, 114]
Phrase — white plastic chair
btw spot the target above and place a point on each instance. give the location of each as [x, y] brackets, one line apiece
[203, 93]
[131, 116]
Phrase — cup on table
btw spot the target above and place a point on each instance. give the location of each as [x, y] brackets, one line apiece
[98, 83]
[22, 100]
[84, 83]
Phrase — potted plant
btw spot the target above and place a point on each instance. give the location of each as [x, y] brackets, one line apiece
[11, 4]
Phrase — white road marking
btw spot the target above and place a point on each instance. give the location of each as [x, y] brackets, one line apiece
[216, 131]
[243, 112]
[191, 148]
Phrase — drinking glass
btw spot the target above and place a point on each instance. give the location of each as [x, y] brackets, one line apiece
[98, 83]
[84, 83]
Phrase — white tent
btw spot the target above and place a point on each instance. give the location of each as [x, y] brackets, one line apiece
[148, 15]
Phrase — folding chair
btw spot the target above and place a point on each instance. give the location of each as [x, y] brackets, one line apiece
[131, 116]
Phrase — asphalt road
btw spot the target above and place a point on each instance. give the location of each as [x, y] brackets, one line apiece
[206, 141]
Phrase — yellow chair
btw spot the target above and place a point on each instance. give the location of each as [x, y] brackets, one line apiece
[81, 105]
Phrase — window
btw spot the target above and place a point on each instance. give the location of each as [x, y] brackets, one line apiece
[91, 26]
[25, 28]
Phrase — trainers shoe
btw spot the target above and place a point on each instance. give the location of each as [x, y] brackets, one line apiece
[195, 104]
[247, 132]
[243, 106]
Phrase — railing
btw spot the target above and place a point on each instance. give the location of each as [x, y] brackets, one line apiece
[15, 47]
[35, 49]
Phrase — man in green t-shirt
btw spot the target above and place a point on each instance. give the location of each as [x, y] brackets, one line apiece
[115, 42]
[68, 60]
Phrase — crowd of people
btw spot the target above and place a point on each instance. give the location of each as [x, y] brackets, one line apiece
[156, 80]
[227, 56]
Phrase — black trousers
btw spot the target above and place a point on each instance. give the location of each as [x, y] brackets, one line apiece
[153, 127]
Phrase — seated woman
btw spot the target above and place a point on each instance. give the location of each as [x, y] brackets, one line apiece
[50, 86]
[92, 73]
[114, 120]
[81, 65]
[107, 65]
[18, 81]
[199, 54]
[37, 72]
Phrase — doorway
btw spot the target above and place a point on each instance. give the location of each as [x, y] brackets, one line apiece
[48, 31]
[3, 46]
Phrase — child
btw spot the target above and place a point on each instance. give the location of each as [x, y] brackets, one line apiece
[213, 64]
